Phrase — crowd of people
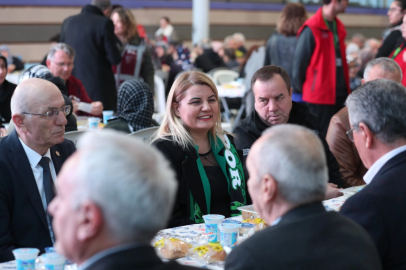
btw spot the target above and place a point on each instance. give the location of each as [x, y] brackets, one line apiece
[321, 115]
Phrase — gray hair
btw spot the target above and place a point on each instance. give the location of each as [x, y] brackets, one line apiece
[130, 181]
[61, 47]
[381, 105]
[239, 37]
[102, 4]
[295, 158]
[388, 66]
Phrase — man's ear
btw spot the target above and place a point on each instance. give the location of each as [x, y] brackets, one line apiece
[90, 221]
[269, 188]
[362, 81]
[48, 62]
[367, 135]
[18, 120]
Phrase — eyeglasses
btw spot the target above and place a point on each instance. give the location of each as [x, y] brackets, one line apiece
[70, 64]
[350, 133]
[49, 114]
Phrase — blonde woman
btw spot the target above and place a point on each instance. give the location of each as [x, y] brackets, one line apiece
[132, 66]
[208, 167]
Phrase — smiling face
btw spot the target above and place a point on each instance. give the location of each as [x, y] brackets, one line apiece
[395, 13]
[119, 27]
[273, 101]
[198, 109]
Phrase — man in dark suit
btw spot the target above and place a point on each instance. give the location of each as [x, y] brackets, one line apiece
[288, 179]
[114, 194]
[91, 34]
[30, 158]
[378, 129]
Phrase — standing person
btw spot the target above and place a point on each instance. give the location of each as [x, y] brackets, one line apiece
[320, 70]
[399, 54]
[378, 130]
[397, 10]
[166, 32]
[280, 47]
[6, 91]
[208, 168]
[30, 160]
[91, 34]
[136, 60]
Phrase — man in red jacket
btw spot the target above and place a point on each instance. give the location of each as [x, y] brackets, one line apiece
[60, 63]
[320, 71]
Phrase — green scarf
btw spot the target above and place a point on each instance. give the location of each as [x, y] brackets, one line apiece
[230, 163]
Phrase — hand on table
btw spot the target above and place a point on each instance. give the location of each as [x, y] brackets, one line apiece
[332, 191]
[97, 108]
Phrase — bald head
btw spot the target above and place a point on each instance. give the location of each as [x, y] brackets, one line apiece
[383, 68]
[32, 93]
[295, 158]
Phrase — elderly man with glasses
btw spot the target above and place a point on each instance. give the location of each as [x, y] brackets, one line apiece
[30, 158]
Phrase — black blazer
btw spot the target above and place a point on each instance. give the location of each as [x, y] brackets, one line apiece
[137, 258]
[6, 91]
[184, 164]
[381, 209]
[22, 217]
[307, 237]
[91, 34]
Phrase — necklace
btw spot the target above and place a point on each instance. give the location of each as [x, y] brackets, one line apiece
[205, 155]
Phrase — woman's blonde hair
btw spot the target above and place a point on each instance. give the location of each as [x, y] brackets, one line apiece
[128, 20]
[172, 127]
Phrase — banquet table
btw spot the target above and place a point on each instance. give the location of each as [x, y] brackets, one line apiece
[198, 230]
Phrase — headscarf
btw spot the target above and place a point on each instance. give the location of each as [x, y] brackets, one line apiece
[9, 57]
[135, 104]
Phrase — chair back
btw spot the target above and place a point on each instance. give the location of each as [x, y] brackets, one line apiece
[73, 135]
[144, 134]
[224, 76]
[160, 100]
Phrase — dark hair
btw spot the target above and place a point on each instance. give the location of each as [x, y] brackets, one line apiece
[292, 18]
[55, 38]
[4, 59]
[166, 19]
[401, 4]
[128, 20]
[266, 74]
[230, 53]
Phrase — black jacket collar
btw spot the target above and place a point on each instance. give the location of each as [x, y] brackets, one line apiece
[303, 211]
[92, 9]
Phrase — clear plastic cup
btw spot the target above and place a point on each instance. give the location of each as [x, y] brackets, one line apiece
[53, 261]
[25, 258]
[229, 234]
[107, 115]
[93, 122]
[211, 223]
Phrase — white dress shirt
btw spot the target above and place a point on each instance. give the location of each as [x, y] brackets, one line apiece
[377, 166]
[34, 158]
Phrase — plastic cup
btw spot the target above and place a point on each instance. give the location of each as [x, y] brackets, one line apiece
[53, 261]
[25, 258]
[246, 230]
[229, 234]
[50, 250]
[93, 122]
[107, 115]
[211, 223]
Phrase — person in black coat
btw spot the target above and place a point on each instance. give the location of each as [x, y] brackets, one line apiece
[274, 106]
[24, 221]
[288, 179]
[6, 91]
[208, 167]
[91, 34]
[377, 114]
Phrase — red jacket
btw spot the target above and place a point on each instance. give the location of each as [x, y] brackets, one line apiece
[76, 88]
[320, 84]
[399, 59]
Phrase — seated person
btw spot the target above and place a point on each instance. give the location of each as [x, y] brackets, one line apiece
[6, 91]
[207, 59]
[208, 168]
[288, 180]
[114, 195]
[344, 150]
[135, 107]
[378, 129]
[230, 59]
[13, 63]
[30, 159]
[274, 106]
[60, 63]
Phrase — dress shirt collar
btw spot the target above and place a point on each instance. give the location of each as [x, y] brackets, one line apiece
[33, 157]
[107, 252]
[377, 166]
